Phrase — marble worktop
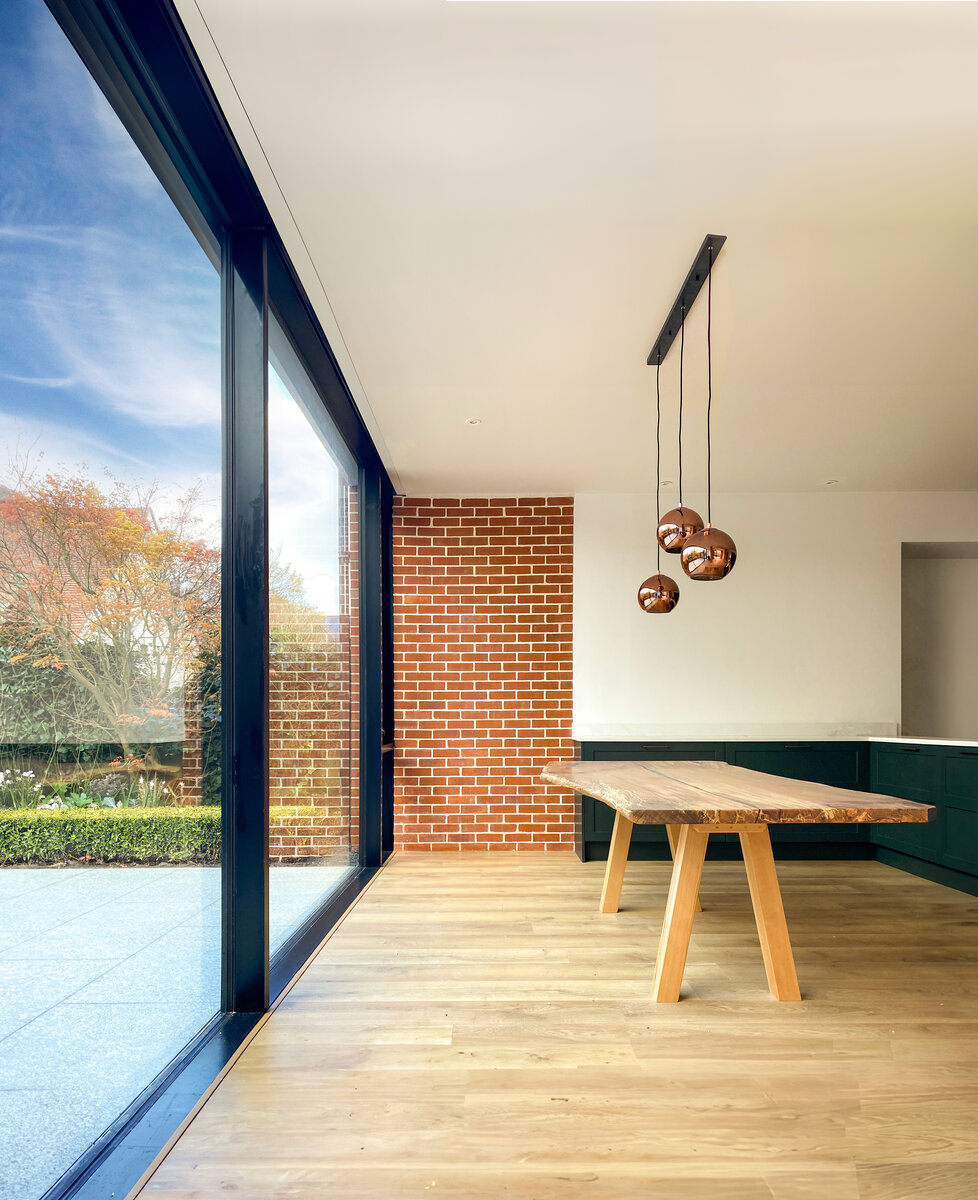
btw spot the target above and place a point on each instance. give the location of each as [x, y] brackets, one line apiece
[631, 733]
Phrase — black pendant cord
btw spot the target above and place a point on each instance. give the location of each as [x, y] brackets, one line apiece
[709, 395]
[682, 343]
[658, 457]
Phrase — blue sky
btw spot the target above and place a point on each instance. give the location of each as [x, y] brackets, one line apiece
[110, 313]
[109, 308]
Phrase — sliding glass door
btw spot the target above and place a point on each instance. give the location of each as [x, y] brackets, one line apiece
[190, 600]
[313, 750]
[110, 601]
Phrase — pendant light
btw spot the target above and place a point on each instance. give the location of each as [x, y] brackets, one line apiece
[679, 524]
[709, 554]
[659, 593]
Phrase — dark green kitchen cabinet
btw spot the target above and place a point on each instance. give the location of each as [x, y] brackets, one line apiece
[912, 772]
[596, 819]
[839, 764]
[842, 764]
[959, 809]
[945, 849]
[945, 776]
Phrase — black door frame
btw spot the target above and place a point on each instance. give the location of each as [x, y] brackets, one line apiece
[142, 58]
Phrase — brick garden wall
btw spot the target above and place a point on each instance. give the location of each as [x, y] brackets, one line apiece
[482, 672]
[313, 719]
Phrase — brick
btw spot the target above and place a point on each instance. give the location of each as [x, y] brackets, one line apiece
[482, 671]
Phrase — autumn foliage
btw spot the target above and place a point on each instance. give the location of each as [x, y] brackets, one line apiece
[95, 585]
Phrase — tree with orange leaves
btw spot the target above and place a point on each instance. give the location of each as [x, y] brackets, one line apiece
[93, 584]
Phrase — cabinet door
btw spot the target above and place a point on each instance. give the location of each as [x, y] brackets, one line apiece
[599, 818]
[912, 773]
[839, 764]
[959, 811]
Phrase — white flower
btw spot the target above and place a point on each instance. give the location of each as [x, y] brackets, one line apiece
[37, 787]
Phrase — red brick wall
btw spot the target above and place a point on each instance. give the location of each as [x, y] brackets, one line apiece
[482, 672]
[313, 716]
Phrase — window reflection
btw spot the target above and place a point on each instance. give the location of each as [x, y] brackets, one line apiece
[110, 423]
[313, 685]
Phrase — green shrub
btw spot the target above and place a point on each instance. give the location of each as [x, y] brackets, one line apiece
[138, 835]
[120, 835]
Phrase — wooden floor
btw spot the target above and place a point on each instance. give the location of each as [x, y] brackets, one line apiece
[476, 1029]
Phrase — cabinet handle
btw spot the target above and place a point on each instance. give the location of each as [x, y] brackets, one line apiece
[910, 749]
[970, 753]
[797, 745]
[656, 746]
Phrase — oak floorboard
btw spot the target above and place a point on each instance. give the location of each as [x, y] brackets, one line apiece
[475, 1029]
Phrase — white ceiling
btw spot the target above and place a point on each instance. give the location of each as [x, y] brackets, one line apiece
[493, 206]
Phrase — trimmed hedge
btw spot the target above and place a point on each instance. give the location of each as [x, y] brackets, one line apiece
[123, 835]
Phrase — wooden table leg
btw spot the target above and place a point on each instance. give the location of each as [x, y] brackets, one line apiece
[672, 833]
[772, 928]
[677, 924]
[621, 838]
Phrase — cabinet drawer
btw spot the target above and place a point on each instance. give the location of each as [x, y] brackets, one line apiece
[818, 762]
[600, 822]
[922, 841]
[906, 771]
[961, 839]
[653, 751]
[599, 818]
[821, 833]
[961, 778]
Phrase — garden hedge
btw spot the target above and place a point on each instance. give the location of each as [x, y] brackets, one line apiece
[123, 835]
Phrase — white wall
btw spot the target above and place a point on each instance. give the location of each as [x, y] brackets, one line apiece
[940, 647]
[801, 640]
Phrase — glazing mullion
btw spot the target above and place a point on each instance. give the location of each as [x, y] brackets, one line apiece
[371, 638]
[245, 625]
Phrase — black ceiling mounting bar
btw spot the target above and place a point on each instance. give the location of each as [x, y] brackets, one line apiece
[698, 272]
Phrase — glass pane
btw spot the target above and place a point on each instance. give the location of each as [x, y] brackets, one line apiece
[313, 686]
[110, 414]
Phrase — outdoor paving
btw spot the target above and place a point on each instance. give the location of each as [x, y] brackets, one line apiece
[105, 974]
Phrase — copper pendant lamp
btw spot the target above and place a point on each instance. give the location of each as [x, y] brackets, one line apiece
[709, 554]
[659, 593]
[679, 524]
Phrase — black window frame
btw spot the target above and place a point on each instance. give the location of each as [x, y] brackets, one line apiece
[142, 59]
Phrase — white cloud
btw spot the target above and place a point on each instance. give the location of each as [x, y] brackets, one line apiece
[134, 326]
[41, 381]
[303, 500]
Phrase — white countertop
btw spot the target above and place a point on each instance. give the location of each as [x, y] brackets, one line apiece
[631, 733]
[922, 741]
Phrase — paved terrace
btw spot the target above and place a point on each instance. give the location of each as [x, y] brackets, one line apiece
[105, 974]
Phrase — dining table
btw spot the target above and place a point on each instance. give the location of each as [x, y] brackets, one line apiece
[696, 799]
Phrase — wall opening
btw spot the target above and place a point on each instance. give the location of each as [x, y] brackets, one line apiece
[939, 657]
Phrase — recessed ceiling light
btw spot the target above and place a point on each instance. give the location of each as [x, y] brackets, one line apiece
[666, 482]
[473, 420]
[829, 482]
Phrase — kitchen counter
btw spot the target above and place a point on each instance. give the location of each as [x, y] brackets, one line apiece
[922, 741]
[631, 733]
[942, 772]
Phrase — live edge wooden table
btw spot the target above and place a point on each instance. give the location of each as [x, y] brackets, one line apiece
[695, 799]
